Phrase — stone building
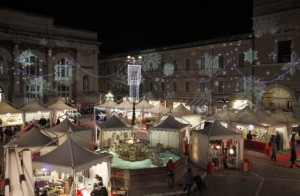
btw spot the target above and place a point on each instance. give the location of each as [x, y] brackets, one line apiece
[259, 68]
[39, 60]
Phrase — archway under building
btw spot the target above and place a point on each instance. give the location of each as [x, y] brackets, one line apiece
[279, 97]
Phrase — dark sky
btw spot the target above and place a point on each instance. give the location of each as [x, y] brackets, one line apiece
[132, 26]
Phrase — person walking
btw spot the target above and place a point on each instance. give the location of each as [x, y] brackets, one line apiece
[170, 171]
[293, 157]
[274, 147]
[189, 180]
[249, 139]
[278, 140]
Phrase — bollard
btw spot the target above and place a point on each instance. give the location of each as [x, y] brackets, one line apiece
[210, 168]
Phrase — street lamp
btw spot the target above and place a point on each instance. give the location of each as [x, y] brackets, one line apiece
[134, 80]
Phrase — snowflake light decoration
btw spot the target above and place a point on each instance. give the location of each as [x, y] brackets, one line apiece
[211, 65]
[151, 61]
[250, 56]
[61, 43]
[168, 69]
[272, 56]
[27, 58]
[38, 86]
[263, 26]
[43, 42]
[291, 65]
[119, 81]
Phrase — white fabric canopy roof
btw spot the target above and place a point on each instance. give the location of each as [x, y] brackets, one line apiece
[70, 158]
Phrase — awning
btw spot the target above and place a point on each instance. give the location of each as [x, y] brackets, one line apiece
[197, 102]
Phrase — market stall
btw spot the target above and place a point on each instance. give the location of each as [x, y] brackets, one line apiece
[34, 140]
[184, 115]
[70, 166]
[169, 134]
[34, 112]
[262, 126]
[82, 135]
[59, 109]
[111, 131]
[218, 145]
[10, 116]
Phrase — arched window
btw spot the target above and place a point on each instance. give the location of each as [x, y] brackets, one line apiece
[63, 76]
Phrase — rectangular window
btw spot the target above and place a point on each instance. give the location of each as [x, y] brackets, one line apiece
[284, 51]
[187, 64]
[202, 63]
[240, 87]
[150, 86]
[202, 87]
[187, 87]
[107, 70]
[162, 65]
[175, 63]
[162, 86]
[221, 87]
[221, 61]
[241, 60]
[175, 86]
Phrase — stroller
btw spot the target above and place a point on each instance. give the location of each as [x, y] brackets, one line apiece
[200, 183]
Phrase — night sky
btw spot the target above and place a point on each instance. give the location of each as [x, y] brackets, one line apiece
[125, 27]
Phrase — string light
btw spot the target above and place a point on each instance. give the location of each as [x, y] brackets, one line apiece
[189, 77]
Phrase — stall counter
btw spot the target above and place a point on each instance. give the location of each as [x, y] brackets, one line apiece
[256, 145]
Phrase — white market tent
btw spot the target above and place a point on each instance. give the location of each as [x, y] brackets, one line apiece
[169, 133]
[159, 110]
[264, 125]
[34, 111]
[200, 150]
[35, 141]
[58, 109]
[9, 115]
[184, 115]
[112, 130]
[81, 135]
[71, 158]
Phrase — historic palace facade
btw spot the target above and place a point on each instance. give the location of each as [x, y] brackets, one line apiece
[41, 61]
[260, 68]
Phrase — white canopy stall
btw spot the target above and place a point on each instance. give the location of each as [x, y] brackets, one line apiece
[35, 141]
[34, 111]
[184, 115]
[112, 130]
[10, 116]
[71, 158]
[81, 135]
[169, 133]
[203, 142]
[59, 109]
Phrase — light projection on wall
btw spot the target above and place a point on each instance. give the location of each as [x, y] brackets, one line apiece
[151, 61]
[250, 56]
[208, 65]
[168, 69]
[63, 70]
[290, 66]
[38, 87]
[27, 58]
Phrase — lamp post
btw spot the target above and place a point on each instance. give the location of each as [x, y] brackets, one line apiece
[134, 80]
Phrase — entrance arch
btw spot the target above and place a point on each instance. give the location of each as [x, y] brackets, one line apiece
[279, 97]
